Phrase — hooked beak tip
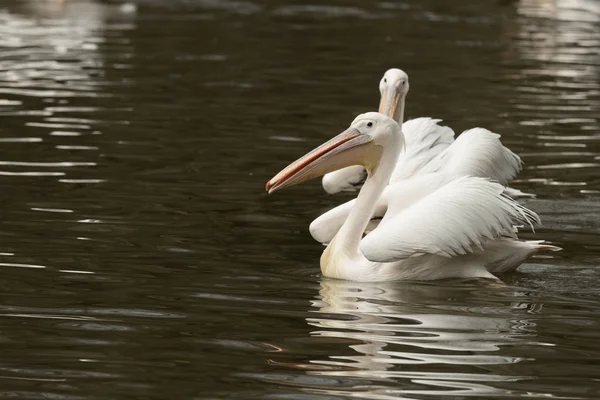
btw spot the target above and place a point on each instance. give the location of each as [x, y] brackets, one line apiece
[270, 186]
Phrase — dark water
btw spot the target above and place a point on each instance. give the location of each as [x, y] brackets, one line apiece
[141, 259]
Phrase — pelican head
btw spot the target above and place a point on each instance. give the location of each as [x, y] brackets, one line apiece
[361, 144]
[393, 88]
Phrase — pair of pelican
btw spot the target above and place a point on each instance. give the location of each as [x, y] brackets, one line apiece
[432, 207]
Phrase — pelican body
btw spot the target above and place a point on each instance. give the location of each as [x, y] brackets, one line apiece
[458, 227]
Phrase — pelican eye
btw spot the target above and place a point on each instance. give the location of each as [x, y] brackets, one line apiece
[369, 124]
[384, 80]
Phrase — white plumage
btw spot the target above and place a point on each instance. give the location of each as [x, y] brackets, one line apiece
[347, 179]
[424, 139]
[477, 152]
[435, 226]
[456, 219]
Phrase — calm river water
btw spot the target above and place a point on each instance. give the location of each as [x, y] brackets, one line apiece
[140, 257]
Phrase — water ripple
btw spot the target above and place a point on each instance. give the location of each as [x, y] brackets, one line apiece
[57, 55]
[388, 341]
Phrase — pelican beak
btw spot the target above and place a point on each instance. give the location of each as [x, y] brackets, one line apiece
[348, 148]
[389, 102]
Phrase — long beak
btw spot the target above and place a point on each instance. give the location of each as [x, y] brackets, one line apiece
[348, 148]
[388, 105]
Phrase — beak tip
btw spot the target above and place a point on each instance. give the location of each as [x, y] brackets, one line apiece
[268, 187]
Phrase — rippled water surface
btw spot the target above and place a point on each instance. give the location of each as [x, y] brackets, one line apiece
[141, 259]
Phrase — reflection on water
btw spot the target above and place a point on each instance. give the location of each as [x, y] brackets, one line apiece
[141, 258]
[54, 64]
[418, 340]
[426, 339]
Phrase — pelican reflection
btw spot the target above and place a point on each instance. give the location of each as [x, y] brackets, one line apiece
[416, 334]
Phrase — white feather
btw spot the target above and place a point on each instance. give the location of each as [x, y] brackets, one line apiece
[324, 228]
[516, 193]
[506, 255]
[424, 141]
[457, 218]
[477, 152]
[347, 179]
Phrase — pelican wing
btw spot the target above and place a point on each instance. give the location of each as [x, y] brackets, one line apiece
[347, 179]
[425, 140]
[477, 152]
[325, 227]
[457, 218]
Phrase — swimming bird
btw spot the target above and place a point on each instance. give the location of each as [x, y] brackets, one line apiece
[435, 227]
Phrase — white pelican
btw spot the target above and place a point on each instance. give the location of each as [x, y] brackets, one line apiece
[431, 148]
[456, 228]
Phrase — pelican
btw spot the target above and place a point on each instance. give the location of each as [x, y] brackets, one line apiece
[440, 227]
[431, 147]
